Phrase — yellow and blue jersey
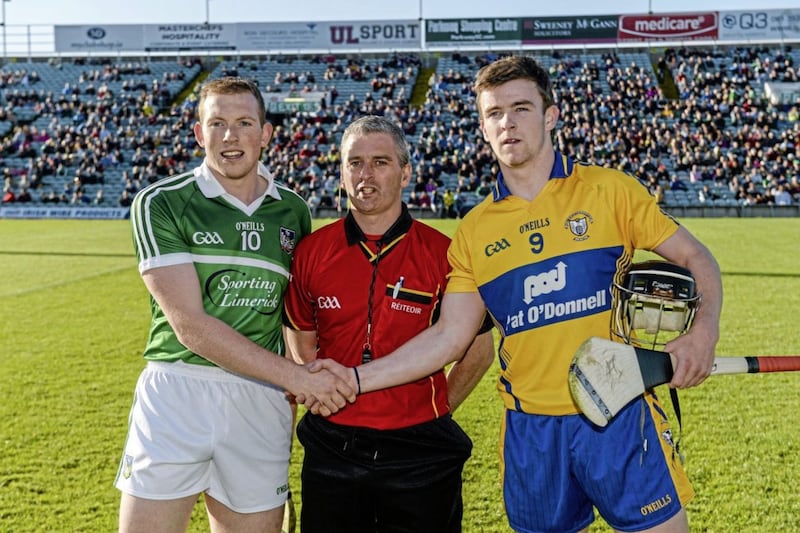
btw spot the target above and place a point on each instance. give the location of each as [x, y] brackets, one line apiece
[544, 269]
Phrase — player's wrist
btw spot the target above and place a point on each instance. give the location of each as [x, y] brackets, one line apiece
[358, 381]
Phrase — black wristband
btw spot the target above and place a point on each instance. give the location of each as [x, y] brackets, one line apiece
[358, 380]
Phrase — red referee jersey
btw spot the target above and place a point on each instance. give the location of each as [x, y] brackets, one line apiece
[329, 292]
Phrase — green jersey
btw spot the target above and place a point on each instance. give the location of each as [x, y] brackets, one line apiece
[242, 253]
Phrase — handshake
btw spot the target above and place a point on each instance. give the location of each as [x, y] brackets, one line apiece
[324, 386]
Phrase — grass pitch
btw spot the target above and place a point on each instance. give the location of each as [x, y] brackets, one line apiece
[74, 318]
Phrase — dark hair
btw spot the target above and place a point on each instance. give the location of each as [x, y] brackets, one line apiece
[233, 85]
[515, 68]
[377, 124]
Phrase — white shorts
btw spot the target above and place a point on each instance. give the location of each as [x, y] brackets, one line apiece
[195, 429]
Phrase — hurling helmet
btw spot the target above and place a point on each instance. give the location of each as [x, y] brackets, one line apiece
[655, 303]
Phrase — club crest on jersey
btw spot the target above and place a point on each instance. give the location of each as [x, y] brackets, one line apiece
[288, 240]
[578, 224]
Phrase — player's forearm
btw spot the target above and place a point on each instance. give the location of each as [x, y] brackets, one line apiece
[227, 348]
[684, 249]
[301, 346]
[428, 352]
[466, 373]
[707, 276]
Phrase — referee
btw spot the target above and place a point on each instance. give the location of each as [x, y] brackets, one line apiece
[361, 287]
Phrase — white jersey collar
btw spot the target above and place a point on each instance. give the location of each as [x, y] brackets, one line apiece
[211, 187]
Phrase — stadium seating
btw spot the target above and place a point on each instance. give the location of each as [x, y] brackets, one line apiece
[116, 124]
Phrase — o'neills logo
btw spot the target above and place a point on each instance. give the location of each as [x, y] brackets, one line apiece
[656, 505]
[669, 27]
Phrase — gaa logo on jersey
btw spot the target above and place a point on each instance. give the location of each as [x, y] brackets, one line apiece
[578, 224]
[206, 238]
[288, 240]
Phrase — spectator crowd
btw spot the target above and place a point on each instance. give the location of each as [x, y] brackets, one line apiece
[693, 124]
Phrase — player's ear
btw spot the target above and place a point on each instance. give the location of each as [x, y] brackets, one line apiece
[266, 134]
[551, 115]
[483, 131]
[198, 133]
[406, 179]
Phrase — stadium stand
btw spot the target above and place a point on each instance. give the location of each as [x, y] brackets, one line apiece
[693, 124]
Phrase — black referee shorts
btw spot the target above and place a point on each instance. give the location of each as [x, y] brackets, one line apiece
[361, 480]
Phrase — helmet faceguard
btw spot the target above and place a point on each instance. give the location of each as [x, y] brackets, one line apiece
[655, 303]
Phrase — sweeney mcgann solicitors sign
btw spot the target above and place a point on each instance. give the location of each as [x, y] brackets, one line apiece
[547, 30]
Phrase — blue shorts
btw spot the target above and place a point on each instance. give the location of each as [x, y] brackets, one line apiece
[556, 468]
